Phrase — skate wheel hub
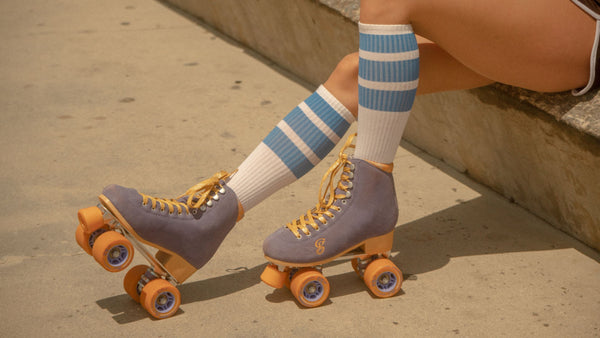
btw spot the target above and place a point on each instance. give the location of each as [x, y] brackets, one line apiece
[386, 281]
[313, 290]
[165, 302]
[117, 255]
[115, 252]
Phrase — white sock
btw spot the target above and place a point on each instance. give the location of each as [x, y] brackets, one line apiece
[388, 79]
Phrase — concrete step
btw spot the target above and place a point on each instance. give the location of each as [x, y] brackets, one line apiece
[538, 150]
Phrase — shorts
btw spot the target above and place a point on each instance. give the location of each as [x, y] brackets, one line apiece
[591, 7]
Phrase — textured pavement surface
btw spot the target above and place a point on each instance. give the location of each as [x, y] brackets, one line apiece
[137, 94]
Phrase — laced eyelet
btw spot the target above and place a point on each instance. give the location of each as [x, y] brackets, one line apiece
[222, 191]
[216, 197]
[209, 203]
[330, 193]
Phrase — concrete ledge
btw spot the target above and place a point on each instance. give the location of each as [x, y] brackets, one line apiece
[519, 150]
[540, 151]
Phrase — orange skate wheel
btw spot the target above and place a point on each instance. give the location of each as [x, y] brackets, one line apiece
[86, 240]
[130, 282]
[113, 251]
[273, 277]
[83, 239]
[310, 287]
[383, 278]
[160, 298]
[91, 218]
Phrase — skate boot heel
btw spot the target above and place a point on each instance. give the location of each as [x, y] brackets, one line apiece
[175, 265]
[379, 244]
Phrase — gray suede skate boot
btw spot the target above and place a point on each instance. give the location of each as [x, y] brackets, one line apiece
[360, 212]
[187, 231]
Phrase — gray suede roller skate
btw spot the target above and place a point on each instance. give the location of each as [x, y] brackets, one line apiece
[184, 234]
[353, 220]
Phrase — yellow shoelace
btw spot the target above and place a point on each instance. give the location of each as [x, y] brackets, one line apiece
[327, 196]
[196, 195]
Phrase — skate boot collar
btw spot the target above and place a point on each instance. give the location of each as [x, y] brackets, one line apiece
[388, 168]
[198, 195]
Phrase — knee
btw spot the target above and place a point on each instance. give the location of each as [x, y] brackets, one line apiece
[346, 70]
[343, 82]
[385, 12]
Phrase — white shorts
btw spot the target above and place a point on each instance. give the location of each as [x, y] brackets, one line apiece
[591, 7]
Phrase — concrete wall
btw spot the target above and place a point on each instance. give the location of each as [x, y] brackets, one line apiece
[304, 37]
[514, 147]
[518, 150]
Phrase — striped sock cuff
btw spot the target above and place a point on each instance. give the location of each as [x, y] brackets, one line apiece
[298, 143]
[388, 67]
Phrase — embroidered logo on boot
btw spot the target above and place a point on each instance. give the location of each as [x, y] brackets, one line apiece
[320, 245]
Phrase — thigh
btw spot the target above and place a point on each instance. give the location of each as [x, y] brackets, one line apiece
[543, 45]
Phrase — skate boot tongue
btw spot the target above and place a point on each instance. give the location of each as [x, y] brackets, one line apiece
[328, 194]
[204, 192]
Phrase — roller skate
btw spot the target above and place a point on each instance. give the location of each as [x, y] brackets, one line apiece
[353, 220]
[183, 234]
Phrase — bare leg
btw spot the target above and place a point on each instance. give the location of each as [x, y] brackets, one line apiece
[543, 45]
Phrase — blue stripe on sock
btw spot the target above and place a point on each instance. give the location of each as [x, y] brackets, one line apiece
[387, 43]
[327, 114]
[316, 140]
[396, 71]
[386, 100]
[285, 149]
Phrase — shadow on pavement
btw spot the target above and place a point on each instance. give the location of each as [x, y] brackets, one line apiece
[125, 310]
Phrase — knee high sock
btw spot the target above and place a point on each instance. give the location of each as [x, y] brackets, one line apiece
[388, 75]
[298, 143]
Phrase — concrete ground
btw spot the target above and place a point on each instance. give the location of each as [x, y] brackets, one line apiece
[133, 92]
